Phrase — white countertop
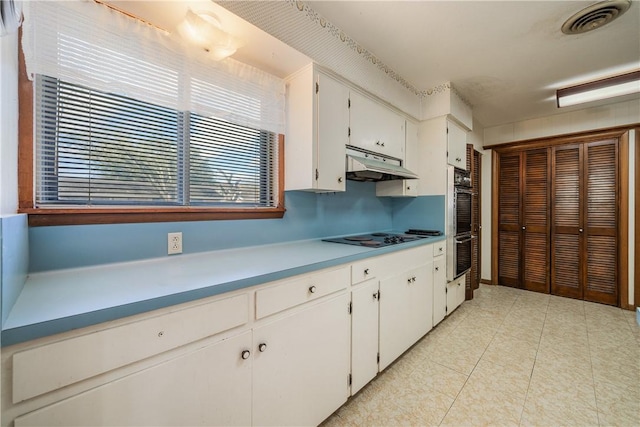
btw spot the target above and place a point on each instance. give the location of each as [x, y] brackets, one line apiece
[61, 300]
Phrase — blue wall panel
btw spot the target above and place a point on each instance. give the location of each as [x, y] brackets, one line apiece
[308, 216]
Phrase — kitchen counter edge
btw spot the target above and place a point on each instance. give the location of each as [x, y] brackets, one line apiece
[17, 330]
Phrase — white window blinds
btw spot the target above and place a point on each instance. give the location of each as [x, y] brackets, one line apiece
[123, 117]
[88, 44]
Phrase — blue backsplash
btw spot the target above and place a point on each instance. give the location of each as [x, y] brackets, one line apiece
[14, 260]
[308, 216]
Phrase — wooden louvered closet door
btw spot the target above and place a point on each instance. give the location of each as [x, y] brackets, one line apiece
[566, 276]
[585, 217]
[535, 224]
[601, 160]
[509, 220]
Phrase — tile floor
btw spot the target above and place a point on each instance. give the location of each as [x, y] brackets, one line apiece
[511, 357]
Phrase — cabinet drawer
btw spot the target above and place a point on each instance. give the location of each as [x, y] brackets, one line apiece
[364, 270]
[300, 290]
[439, 248]
[53, 366]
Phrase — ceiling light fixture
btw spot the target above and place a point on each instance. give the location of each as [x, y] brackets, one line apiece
[204, 30]
[623, 84]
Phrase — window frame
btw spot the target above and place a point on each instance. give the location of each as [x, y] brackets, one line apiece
[113, 215]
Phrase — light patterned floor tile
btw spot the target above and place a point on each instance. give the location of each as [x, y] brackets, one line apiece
[554, 413]
[439, 378]
[511, 357]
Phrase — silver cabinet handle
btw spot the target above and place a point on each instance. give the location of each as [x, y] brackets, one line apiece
[340, 179]
[408, 187]
[262, 347]
[524, 227]
[581, 230]
[312, 289]
[409, 280]
[437, 268]
[245, 354]
[366, 271]
[375, 296]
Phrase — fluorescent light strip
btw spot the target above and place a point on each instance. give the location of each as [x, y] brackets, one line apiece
[608, 88]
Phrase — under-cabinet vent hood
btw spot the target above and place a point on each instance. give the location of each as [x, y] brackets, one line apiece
[365, 165]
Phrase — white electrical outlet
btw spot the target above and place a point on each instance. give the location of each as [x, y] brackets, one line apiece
[174, 243]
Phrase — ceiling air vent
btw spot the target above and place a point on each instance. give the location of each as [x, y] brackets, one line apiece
[595, 16]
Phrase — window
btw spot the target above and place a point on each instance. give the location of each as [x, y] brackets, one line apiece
[128, 125]
[100, 149]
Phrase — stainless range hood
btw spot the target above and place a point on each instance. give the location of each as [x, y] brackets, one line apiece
[363, 165]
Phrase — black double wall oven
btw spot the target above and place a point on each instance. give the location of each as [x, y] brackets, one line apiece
[459, 234]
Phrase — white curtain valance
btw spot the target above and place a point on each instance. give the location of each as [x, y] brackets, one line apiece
[86, 43]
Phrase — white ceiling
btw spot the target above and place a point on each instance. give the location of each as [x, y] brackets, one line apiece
[506, 58]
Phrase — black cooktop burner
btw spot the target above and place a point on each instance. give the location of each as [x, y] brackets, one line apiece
[375, 240]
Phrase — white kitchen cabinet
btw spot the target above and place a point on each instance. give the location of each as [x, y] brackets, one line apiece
[317, 132]
[456, 145]
[439, 289]
[406, 311]
[208, 386]
[364, 334]
[375, 127]
[455, 294]
[440, 142]
[404, 187]
[301, 364]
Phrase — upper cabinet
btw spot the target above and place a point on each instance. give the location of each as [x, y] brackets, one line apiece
[375, 127]
[317, 132]
[404, 187]
[441, 141]
[456, 145]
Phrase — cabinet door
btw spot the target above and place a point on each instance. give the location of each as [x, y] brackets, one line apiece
[406, 311]
[404, 187]
[364, 334]
[455, 294]
[210, 386]
[420, 304]
[439, 290]
[332, 133]
[456, 145]
[300, 376]
[432, 157]
[376, 128]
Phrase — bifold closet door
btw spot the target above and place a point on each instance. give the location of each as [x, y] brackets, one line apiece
[535, 224]
[601, 219]
[566, 244]
[509, 220]
[585, 218]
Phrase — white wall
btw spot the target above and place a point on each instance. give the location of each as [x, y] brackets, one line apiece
[8, 124]
[601, 117]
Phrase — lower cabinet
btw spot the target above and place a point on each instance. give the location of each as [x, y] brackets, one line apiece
[209, 386]
[406, 311]
[301, 365]
[364, 334]
[312, 341]
[455, 294]
[439, 289]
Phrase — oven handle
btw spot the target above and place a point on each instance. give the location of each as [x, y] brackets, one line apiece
[463, 190]
[459, 242]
